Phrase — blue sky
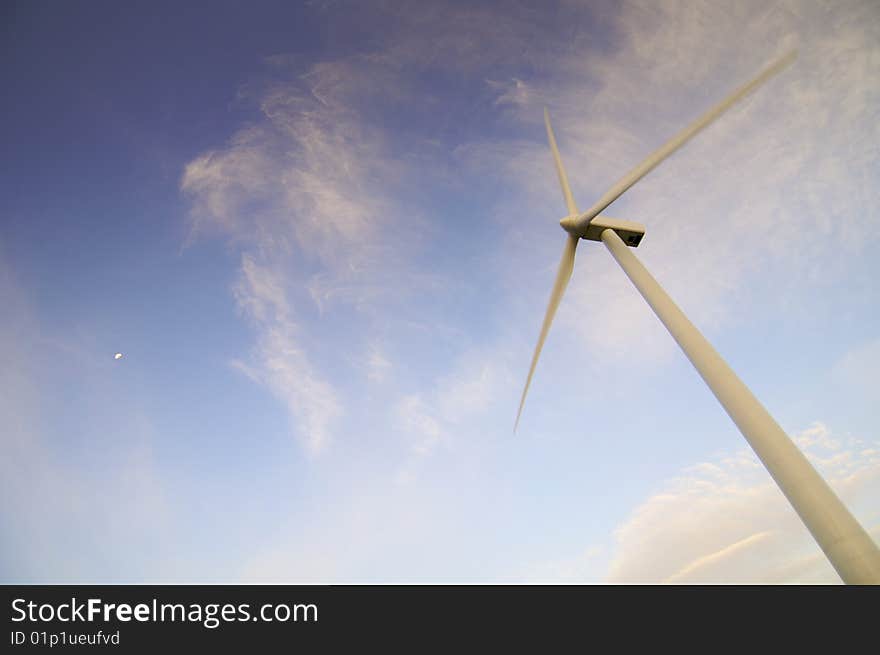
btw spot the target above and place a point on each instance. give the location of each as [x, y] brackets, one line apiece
[323, 237]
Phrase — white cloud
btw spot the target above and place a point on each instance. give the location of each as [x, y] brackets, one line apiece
[725, 521]
[719, 557]
[441, 416]
[304, 194]
[279, 360]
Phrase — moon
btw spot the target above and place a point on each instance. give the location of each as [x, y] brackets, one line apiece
[117, 356]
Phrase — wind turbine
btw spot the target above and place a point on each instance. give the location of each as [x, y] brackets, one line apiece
[845, 542]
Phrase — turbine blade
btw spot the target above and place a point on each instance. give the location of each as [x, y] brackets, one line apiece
[560, 170]
[566, 265]
[687, 133]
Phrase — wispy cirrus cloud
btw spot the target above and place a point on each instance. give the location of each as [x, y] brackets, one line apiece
[278, 359]
[304, 194]
[452, 409]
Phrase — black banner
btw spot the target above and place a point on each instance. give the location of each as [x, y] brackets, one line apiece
[150, 618]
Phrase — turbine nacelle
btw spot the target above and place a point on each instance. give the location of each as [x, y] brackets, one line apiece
[589, 227]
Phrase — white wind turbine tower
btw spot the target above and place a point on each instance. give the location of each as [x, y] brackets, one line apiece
[846, 544]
